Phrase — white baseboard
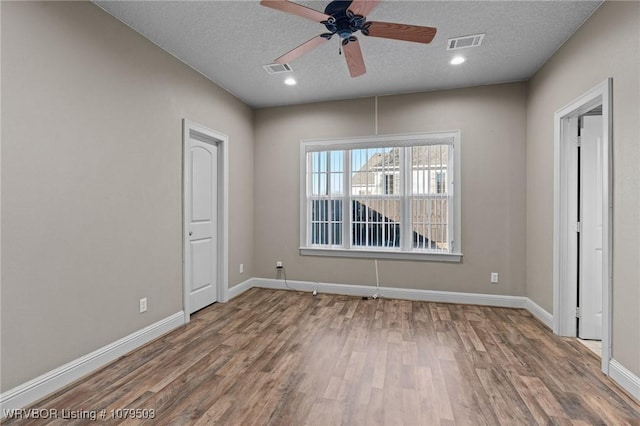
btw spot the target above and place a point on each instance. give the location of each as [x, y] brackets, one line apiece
[412, 294]
[27, 393]
[402, 293]
[238, 289]
[409, 294]
[537, 311]
[625, 378]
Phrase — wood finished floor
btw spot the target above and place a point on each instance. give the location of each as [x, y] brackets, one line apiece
[287, 358]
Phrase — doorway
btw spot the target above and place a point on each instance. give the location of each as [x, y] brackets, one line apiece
[589, 309]
[582, 219]
[205, 234]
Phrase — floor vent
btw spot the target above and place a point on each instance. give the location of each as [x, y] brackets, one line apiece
[277, 68]
[466, 41]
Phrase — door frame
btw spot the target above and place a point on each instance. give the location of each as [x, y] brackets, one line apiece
[222, 228]
[565, 249]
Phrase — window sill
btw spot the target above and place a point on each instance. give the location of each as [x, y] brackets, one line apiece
[381, 254]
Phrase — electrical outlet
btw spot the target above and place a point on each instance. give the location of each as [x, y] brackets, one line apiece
[494, 278]
[242, 268]
[143, 305]
[279, 264]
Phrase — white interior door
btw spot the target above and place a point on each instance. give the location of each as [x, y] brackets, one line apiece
[201, 202]
[591, 212]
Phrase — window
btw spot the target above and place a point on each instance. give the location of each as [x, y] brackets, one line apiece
[388, 184]
[389, 196]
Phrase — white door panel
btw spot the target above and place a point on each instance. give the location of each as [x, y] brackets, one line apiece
[202, 182]
[591, 257]
[201, 255]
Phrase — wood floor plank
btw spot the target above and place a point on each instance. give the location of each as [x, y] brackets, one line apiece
[272, 357]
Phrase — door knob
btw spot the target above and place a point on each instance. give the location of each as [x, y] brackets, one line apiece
[190, 233]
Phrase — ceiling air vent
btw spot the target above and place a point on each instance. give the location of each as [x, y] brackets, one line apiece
[466, 41]
[277, 68]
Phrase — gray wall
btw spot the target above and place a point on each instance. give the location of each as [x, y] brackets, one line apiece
[607, 45]
[91, 182]
[492, 120]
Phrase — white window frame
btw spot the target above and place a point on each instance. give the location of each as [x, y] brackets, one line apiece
[405, 252]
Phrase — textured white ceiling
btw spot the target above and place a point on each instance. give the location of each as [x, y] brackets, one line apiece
[230, 41]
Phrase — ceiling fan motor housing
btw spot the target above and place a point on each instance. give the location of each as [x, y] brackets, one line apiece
[343, 22]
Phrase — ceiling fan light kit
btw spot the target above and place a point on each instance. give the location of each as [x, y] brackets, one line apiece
[345, 18]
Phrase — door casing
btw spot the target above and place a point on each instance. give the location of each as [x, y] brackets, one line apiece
[565, 253]
[222, 143]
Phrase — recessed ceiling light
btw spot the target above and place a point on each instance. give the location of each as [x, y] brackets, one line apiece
[457, 60]
[290, 81]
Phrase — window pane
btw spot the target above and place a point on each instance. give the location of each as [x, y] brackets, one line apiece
[336, 222]
[337, 183]
[375, 171]
[326, 223]
[337, 161]
[319, 184]
[319, 162]
[336, 210]
[318, 210]
[327, 172]
[318, 172]
[375, 222]
[429, 169]
[319, 234]
[430, 224]
[441, 182]
[336, 229]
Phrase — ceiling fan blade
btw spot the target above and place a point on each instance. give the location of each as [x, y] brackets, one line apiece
[402, 32]
[363, 7]
[300, 50]
[353, 55]
[295, 9]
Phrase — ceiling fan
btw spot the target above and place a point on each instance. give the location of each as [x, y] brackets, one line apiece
[345, 18]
